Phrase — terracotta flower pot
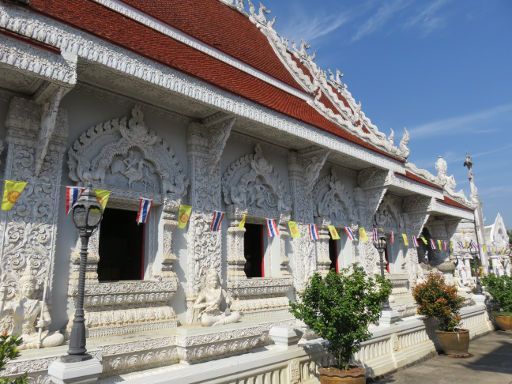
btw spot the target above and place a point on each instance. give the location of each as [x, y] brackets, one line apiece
[504, 322]
[455, 344]
[339, 376]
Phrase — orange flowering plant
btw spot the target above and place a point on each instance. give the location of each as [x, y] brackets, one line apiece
[438, 300]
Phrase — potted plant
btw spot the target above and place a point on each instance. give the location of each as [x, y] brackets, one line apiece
[339, 308]
[500, 288]
[440, 301]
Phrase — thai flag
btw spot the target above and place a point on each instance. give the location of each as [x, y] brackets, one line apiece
[216, 221]
[72, 195]
[144, 208]
[272, 229]
[415, 241]
[375, 235]
[432, 244]
[313, 232]
[392, 237]
[472, 244]
[349, 233]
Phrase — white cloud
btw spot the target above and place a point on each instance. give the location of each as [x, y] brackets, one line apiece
[428, 19]
[308, 27]
[381, 16]
[475, 123]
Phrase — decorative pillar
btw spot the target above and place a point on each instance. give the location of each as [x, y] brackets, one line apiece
[416, 215]
[29, 230]
[236, 259]
[322, 247]
[284, 239]
[303, 172]
[372, 189]
[205, 145]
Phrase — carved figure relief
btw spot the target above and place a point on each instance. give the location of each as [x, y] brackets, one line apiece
[388, 215]
[212, 306]
[335, 202]
[23, 314]
[252, 184]
[130, 159]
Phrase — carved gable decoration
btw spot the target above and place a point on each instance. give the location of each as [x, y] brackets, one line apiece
[389, 215]
[334, 201]
[252, 184]
[124, 155]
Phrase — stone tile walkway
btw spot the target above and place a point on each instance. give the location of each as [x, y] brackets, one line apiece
[491, 363]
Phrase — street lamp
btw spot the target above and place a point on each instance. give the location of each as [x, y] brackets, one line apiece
[87, 215]
[380, 243]
[474, 254]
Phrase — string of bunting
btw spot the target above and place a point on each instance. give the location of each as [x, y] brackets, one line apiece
[13, 190]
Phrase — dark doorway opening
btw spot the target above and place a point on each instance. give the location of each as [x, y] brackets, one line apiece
[254, 251]
[333, 254]
[121, 246]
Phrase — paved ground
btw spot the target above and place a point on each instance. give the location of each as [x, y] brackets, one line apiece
[491, 364]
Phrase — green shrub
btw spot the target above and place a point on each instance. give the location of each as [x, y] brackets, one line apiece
[500, 289]
[439, 301]
[8, 351]
[340, 307]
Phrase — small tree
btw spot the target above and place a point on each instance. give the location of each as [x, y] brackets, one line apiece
[340, 307]
[500, 289]
[8, 351]
[439, 301]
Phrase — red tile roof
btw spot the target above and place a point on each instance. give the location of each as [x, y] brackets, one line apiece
[418, 179]
[220, 27]
[145, 41]
[453, 203]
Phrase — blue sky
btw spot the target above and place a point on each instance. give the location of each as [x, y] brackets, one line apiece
[441, 68]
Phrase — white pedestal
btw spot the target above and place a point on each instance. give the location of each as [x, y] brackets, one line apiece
[479, 299]
[387, 318]
[81, 372]
[283, 336]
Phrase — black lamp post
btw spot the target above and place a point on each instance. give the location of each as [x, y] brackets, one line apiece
[474, 254]
[381, 245]
[87, 215]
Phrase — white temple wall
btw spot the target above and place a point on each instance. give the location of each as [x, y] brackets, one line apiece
[87, 107]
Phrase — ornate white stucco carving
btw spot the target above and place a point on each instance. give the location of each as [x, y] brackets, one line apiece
[29, 229]
[124, 155]
[334, 201]
[389, 215]
[251, 184]
[316, 82]
[206, 142]
[448, 182]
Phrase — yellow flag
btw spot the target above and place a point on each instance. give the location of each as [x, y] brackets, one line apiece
[12, 192]
[440, 245]
[333, 232]
[451, 245]
[406, 239]
[362, 235]
[424, 240]
[294, 229]
[241, 225]
[484, 248]
[184, 215]
[102, 196]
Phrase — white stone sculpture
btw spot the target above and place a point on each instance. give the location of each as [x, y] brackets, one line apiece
[26, 314]
[212, 305]
[448, 182]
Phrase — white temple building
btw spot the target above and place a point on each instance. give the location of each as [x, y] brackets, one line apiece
[204, 104]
